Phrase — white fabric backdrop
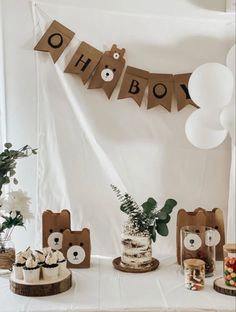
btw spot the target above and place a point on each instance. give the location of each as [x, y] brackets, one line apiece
[87, 142]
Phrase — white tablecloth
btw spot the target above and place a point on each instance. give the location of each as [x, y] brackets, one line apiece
[102, 288]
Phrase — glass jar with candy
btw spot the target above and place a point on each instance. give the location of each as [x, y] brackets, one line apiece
[230, 264]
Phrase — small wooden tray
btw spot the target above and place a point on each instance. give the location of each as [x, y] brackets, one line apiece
[43, 288]
[116, 263]
[219, 285]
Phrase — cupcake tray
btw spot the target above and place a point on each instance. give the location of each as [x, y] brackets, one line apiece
[117, 265]
[219, 286]
[42, 288]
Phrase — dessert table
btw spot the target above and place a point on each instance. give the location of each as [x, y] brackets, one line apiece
[102, 288]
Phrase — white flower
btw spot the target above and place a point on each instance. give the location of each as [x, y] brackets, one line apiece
[18, 201]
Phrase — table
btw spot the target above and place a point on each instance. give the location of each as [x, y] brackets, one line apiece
[102, 288]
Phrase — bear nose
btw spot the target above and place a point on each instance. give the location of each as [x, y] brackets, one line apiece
[107, 74]
[191, 241]
[56, 240]
[75, 253]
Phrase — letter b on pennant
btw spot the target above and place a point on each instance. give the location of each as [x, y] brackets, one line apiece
[134, 84]
[55, 40]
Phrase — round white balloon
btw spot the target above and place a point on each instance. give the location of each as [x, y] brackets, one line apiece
[211, 85]
[230, 60]
[227, 119]
[200, 135]
[210, 117]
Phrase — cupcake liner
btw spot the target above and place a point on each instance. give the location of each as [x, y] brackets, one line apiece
[62, 267]
[32, 275]
[50, 273]
[18, 272]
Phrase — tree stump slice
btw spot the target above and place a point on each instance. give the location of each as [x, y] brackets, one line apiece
[219, 286]
[43, 288]
[117, 265]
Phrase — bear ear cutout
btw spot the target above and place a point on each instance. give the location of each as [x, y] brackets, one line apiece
[66, 232]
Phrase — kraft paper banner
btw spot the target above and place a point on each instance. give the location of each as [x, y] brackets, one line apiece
[134, 84]
[84, 61]
[55, 40]
[109, 70]
[160, 90]
[181, 91]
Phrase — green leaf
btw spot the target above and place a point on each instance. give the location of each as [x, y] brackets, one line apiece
[164, 220]
[162, 215]
[12, 173]
[152, 201]
[149, 206]
[8, 145]
[169, 205]
[162, 228]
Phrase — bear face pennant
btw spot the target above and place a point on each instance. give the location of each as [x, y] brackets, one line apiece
[84, 61]
[181, 90]
[55, 40]
[160, 90]
[134, 84]
[109, 70]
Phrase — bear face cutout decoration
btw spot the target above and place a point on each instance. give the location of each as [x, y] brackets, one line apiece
[54, 225]
[201, 217]
[108, 70]
[76, 248]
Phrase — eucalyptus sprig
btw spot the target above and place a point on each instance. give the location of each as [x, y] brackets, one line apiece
[146, 218]
[8, 160]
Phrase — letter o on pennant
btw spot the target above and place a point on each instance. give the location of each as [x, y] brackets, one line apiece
[54, 42]
[157, 87]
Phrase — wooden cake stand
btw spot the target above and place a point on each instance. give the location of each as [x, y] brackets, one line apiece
[42, 288]
[117, 265]
[219, 285]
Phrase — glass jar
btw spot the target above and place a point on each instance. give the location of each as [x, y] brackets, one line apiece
[230, 264]
[194, 274]
[198, 242]
[7, 254]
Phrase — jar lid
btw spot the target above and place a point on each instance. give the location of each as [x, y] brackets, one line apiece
[193, 263]
[230, 247]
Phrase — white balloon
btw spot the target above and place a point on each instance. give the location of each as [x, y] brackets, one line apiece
[211, 84]
[227, 119]
[230, 60]
[200, 135]
[210, 117]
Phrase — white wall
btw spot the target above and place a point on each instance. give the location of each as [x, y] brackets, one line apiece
[20, 73]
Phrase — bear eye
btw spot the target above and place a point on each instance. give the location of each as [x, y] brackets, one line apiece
[70, 244]
[216, 227]
[116, 55]
[81, 244]
[50, 231]
[61, 230]
[197, 231]
[106, 66]
[114, 69]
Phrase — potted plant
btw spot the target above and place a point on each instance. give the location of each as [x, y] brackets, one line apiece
[14, 206]
[143, 224]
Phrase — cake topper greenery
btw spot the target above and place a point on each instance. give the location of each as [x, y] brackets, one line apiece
[147, 219]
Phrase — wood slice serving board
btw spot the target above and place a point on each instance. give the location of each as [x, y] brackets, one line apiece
[42, 288]
[219, 285]
[117, 265]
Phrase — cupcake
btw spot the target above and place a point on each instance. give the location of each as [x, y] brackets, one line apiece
[27, 253]
[40, 257]
[50, 267]
[61, 262]
[18, 265]
[31, 270]
[46, 251]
